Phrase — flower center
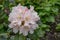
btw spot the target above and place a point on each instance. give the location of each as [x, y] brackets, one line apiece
[23, 22]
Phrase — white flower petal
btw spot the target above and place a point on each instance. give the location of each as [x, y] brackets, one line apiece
[19, 23]
[31, 31]
[21, 30]
[11, 25]
[15, 30]
[35, 26]
[25, 33]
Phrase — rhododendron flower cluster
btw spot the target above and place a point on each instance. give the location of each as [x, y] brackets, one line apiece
[23, 20]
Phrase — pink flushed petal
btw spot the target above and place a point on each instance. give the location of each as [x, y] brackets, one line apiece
[26, 9]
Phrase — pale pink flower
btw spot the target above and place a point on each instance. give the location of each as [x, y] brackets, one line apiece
[23, 20]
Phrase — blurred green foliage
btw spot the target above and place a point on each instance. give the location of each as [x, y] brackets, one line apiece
[47, 10]
[58, 27]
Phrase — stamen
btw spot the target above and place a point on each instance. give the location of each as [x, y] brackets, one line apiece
[23, 22]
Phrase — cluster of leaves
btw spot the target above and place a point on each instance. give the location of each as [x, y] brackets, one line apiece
[47, 10]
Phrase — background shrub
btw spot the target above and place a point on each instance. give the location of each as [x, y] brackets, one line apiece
[49, 23]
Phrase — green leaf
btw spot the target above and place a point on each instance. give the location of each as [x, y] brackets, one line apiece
[2, 38]
[1, 26]
[58, 27]
[47, 29]
[55, 10]
[4, 35]
[19, 37]
[12, 38]
[16, 37]
[42, 14]
[47, 9]
[44, 25]
[40, 33]
[50, 19]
